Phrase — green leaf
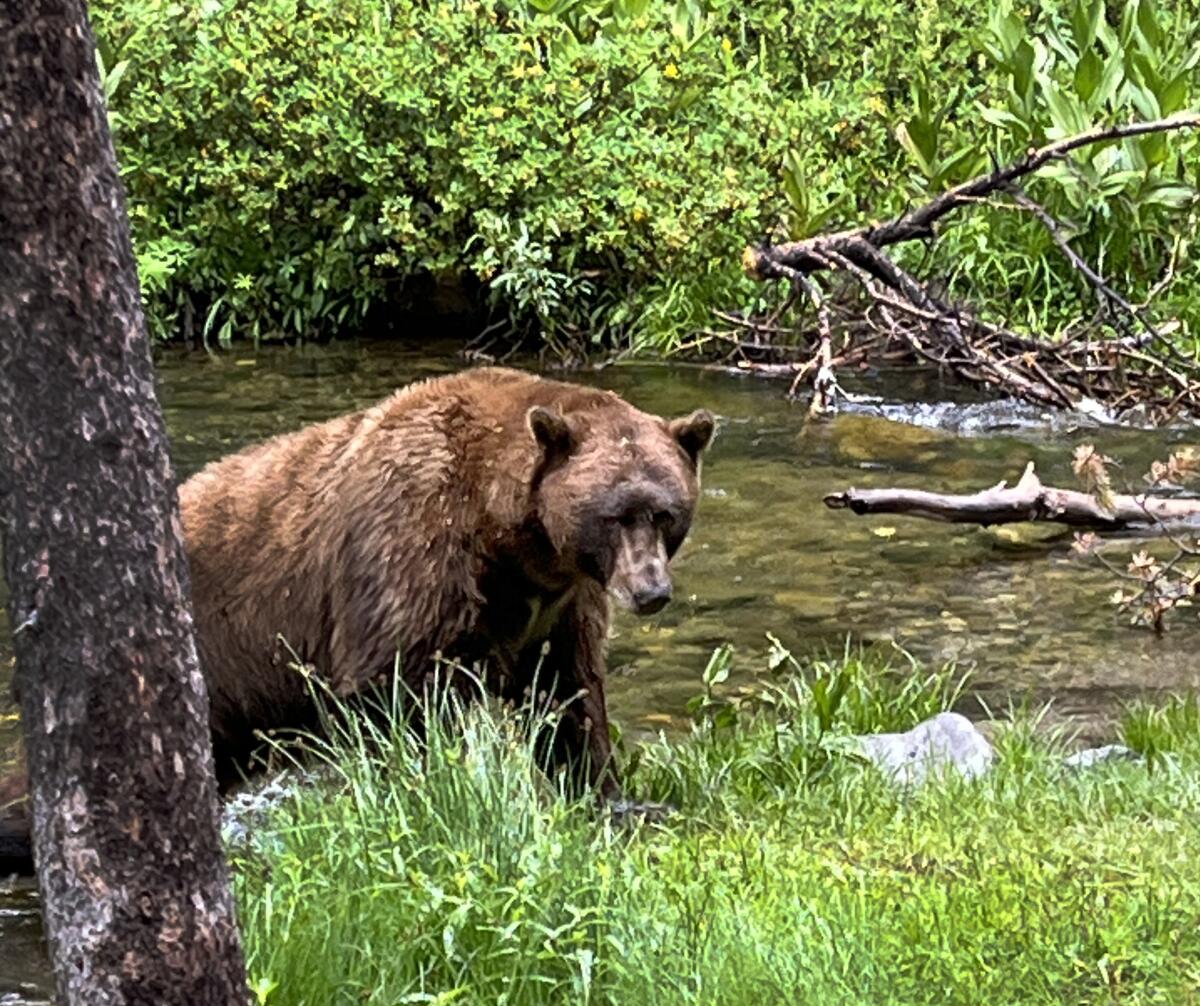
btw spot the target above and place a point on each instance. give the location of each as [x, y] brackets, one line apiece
[1110, 79]
[965, 164]
[1154, 149]
[914, 150]
[1147, 20]
[1022, 70]
[1144, 101]
[1173, 96]
[1087, 75]
[1006, 28]
[1066, 113]
[1002, 118]
[1171, 195]
[112, 80]
[1085, 20]
[717, 670]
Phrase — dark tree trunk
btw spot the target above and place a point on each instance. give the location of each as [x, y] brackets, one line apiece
[135, 889]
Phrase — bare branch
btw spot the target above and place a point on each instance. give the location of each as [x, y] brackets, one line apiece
[811, 254]
[1028, 500]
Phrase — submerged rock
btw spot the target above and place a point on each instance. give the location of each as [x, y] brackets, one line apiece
[1101, 756]
[948, 742]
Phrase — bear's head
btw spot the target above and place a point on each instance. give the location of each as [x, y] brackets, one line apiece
[615, 492]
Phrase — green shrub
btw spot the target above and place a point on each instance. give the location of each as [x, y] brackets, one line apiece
[293, 164]
[1129, 208]
[301, 167]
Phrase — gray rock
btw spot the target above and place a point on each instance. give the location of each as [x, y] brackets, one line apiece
[949, 742]
[245, 818]
[1101, 756]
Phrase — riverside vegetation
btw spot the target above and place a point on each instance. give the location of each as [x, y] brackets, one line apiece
[592, 169]
[452, 872]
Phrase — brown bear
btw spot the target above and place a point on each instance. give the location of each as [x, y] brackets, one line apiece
[481, 517]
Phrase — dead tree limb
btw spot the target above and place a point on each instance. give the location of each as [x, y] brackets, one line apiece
[1111, 372]
[812, 254]
[1028, 500]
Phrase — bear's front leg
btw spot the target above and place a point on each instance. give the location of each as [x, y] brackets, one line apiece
[574, 671]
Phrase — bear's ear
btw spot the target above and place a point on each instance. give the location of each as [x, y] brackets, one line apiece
[693, 432]
[551, 432]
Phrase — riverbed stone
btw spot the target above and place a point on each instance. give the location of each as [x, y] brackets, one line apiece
[945, 743]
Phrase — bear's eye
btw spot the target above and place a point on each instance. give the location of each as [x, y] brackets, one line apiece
[627, 519]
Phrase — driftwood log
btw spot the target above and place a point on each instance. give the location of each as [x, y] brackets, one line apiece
[1138, 367]
[1028, 500]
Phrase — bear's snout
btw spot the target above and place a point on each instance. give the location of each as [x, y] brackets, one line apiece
[652, 598]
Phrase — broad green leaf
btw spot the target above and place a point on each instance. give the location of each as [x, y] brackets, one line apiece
[1144, 101]
[1007, 28]
[1002, 118]
[1066, 113]
[1085, 20]
[1087, 75]
[1170, 195]
[924, 134]
[1022, 69]
[1154, 149]
[1173, 96]
[914, 150]
[967, 163]
[1147, 19]
[1110, 79]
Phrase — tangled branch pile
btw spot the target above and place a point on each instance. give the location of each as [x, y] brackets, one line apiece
[1140, 367]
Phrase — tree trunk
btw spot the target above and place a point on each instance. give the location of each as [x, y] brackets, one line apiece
[134, 886]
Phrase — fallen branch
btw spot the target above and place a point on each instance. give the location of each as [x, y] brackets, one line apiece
[1028, 500]
[903, 310]
[812, 254]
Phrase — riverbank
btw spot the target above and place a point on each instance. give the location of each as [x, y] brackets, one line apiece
[792, 871]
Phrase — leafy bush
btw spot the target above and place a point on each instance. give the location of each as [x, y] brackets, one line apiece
[1129, 208]
[302, 166]
[293, 164]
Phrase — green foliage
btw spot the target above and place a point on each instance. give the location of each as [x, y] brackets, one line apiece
[809, 713]
[1159, 729]
[293, 164]
[1129, 207]
[453, 872]
[598, 165]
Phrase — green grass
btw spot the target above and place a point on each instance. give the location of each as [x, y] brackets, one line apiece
[791, 873]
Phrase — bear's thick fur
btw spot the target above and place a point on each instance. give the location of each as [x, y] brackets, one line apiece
[478, 516]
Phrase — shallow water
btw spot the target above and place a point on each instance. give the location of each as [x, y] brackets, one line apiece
[1012, 605]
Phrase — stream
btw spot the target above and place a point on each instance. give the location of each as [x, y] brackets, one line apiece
[1014, 606]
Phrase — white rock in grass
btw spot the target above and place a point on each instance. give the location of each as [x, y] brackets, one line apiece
[247, 813]
[1101, 756]
[946, 742]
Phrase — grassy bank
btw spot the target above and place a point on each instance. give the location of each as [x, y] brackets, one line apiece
[791, 874]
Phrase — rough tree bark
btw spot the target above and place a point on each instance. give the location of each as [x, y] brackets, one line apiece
[135, 889]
